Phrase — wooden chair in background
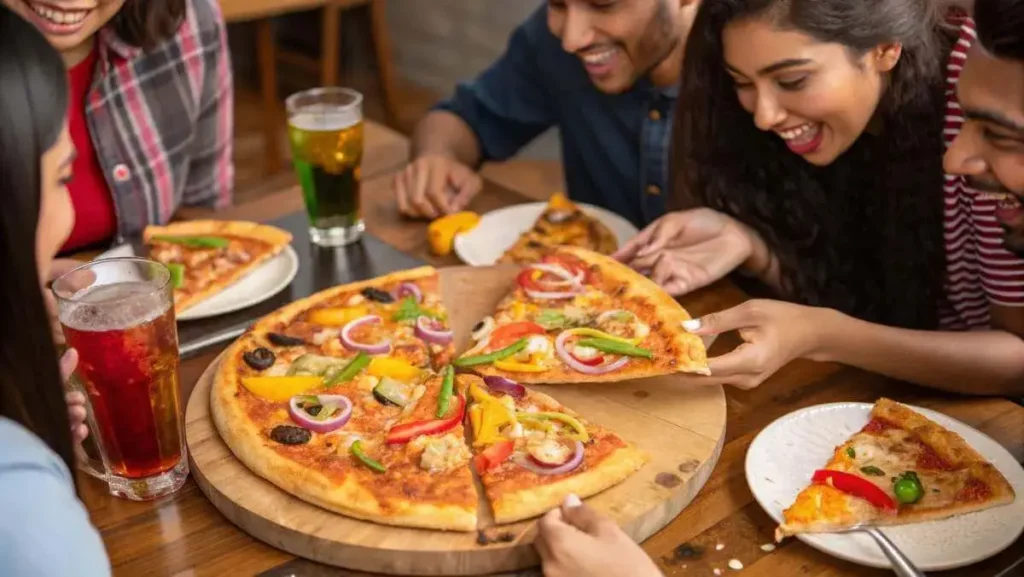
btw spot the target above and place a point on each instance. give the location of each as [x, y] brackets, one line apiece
[262, 11]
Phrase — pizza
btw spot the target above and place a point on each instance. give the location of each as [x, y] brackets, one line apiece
[900, 468]
[531, 452]
[207, 256]
[577, 316]
[349, 400]
[563, 223]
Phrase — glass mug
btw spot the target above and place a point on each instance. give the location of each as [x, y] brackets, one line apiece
[119, 315]
[325, 129]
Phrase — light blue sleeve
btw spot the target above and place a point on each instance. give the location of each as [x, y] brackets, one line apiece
[44, 528]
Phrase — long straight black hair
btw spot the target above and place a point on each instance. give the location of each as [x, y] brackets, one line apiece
[33, 108]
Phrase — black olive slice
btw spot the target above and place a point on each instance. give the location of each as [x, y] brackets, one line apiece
[314, 410]
[290, 435]
[260, 358]
[478, 326]
[284, 340]
[377, 295]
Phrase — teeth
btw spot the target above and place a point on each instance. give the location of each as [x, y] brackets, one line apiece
[60, 16]
[599, 58]
[804, 132]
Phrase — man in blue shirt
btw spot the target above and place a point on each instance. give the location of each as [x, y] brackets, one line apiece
[605, 72]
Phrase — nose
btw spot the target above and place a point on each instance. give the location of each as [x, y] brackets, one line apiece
[767, 112]
[577, 31]
[964, 157]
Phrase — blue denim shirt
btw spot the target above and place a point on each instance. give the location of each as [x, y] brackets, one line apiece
[615, 147]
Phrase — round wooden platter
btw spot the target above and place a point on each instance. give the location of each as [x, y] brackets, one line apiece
[681, 428]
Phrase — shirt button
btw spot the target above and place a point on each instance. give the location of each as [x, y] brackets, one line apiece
[121, 173]
[654, 114]
[653, 190]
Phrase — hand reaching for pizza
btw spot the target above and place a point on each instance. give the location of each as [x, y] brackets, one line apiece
[773, 332]
[435, 185]
[575, 540]
[687, 250]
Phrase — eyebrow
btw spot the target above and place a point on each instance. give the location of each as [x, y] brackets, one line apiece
[994, 118]
[780, 65]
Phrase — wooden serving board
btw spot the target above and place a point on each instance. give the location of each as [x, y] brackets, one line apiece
[681, 427]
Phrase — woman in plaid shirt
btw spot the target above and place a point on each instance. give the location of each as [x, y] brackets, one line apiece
[150, 109]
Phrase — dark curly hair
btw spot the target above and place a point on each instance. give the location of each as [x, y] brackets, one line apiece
[863, 235]
[1001, 27]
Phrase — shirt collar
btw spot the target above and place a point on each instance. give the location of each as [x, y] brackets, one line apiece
[110, 43]
[645, 85]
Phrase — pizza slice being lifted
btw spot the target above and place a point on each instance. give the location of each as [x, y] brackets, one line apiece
[563, 223]
[531, 452]
[207, 256]
[577, 316]
[900, 468]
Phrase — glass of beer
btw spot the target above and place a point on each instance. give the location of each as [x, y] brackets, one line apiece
[119, 314]
[325, 128]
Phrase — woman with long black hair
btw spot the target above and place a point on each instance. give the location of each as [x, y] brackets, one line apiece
[44, 528]
[809, 145]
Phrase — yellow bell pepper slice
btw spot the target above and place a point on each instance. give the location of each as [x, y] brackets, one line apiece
[517, 367]
[581, 431]
[396, 368]
[588, 332]
[337, 317]
[474, 419]
[281, 388]
[442, 232]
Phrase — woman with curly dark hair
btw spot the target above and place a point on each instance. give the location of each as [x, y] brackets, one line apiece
[809, 145]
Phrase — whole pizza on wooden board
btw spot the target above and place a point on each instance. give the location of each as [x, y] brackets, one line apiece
[900, 468]
[563, 223]
[347, 400]
[207, 256]
[578, 317]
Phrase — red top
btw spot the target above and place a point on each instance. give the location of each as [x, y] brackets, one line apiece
[95, 220]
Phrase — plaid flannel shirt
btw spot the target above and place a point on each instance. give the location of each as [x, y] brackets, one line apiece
[161, 120]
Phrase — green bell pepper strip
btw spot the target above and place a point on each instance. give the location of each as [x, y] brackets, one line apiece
[351, 370]
[615, 348]
[357, 452]
[177, 274]
[489, 358]
[581, 431]
[447, 388]
[195, 241]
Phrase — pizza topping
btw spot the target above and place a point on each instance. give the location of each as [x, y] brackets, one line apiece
[401, 434]
[377, 295]
[507, 334]
[908, 488]
[616, 348]
[194, 241]
[337, 317]
[550, 451]
[320, 413]
[872, 471]
[433, 331]
[506, 386]
[356, 449]
[587, 355]
[408, 289]
[623, 323]
[281, 388]
[391, 392]
[352, 369]
[856, 487]
[290, 435]
[310, 364]
[489, 415]
[562, 348]
[394, 367]
[441, 454]
[493, 456]
[973, 490]
[489, 358]
[878, 425]
[260, 358]
[929, 459]
[851, 453]
[444, 398]
[579, 430]
[569, 317]
[483, 328]
[378, 348]
[284, 340]
[177, 271]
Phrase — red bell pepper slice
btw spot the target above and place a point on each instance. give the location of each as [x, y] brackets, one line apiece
[589, 362]
[525, 280]
[857, 487]
[404, 433]
[493, 456]
[507, 334]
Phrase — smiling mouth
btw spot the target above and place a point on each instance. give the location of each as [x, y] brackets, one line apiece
[58, 19]
[803, 139]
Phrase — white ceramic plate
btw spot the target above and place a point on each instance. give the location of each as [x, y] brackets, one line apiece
[499, 229]
[265, 281]
[786, 453]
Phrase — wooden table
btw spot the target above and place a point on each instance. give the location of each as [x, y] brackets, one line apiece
[185, 535]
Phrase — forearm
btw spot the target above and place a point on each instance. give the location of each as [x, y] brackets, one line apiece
[979, 363]
[443, 133]
[762, 263]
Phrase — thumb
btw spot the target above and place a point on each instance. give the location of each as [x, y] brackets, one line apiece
[721, 322]
[581, 516]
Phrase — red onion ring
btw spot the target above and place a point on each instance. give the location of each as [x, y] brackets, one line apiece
[327, 425]
[408, 289]
[546, 295]
[568, 280]
[567, 467]
[374, 348]
[568, 359]
[507, 386]
[431, 331]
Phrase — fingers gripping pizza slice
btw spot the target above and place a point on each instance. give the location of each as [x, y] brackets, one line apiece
[207, 256]
[900, 468]
[563, 223]
[577, 316]
[531, 452]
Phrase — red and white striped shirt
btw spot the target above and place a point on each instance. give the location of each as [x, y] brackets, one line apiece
[980, 272]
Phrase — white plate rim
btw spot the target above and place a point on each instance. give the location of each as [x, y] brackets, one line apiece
[285, 280]
[810, 539]
[609, 218]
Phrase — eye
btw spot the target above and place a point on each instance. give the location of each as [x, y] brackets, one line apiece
[1001, 141]
[792, 84]
[605, 6]
[556, 4]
